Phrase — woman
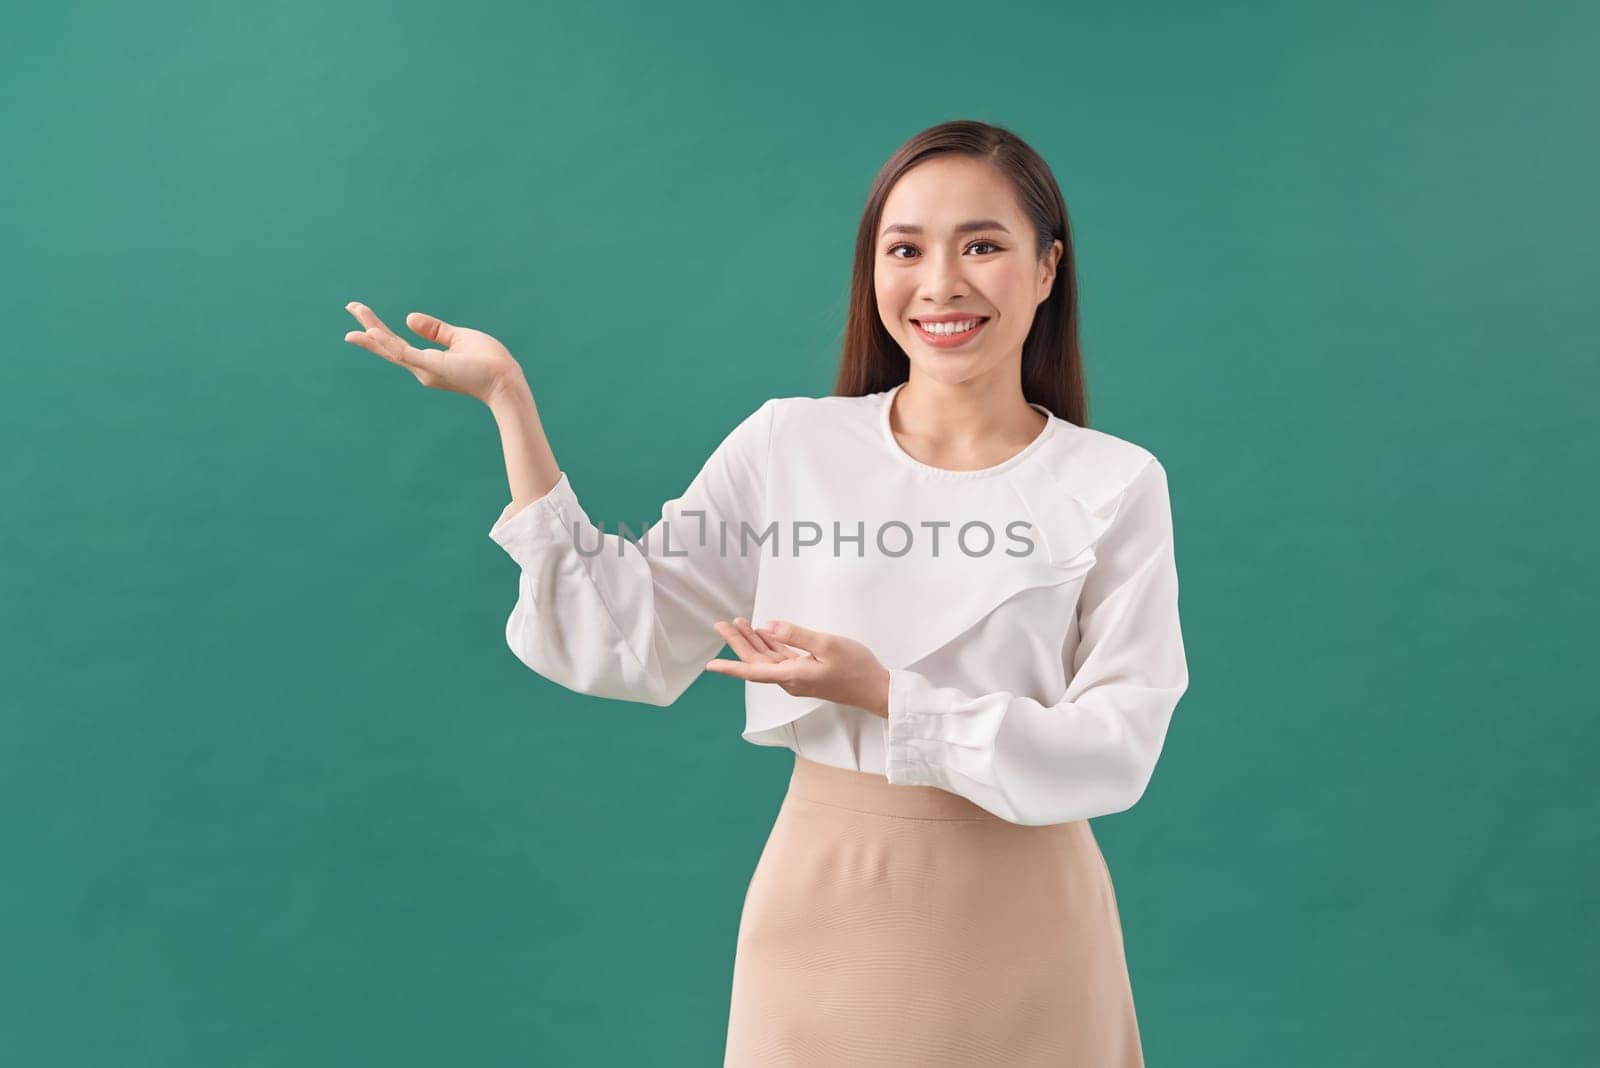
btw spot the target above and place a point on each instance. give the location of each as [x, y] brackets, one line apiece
[971, 638]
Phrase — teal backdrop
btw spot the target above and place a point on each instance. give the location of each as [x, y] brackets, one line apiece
[275, 792]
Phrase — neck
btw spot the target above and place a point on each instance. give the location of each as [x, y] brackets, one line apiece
[965, 416]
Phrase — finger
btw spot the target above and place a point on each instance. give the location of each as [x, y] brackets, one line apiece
[760, 671]
[432, 327]
[737, 641]
[375, 343]
[367, 317]
[392, 348]
[814, 641]
[758, 641]
[782, 649]
[384, 342]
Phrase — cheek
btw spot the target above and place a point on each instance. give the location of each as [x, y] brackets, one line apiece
[891, 299]
[1012, 293]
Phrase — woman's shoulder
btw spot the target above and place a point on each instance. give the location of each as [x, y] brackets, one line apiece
[1120, 452]
[831, 403]
[798, 424]
[820, 417]
[1098, 465]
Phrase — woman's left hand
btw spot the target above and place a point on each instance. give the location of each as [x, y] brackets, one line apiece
[829, 666]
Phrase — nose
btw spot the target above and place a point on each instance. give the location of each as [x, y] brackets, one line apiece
[943, 281]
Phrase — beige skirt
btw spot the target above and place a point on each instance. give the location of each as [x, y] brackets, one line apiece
[905, 925]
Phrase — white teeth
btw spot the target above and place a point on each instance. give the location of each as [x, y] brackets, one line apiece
[950, 328]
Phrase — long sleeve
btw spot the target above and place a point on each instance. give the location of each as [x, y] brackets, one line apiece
[604, 615]
[1091, 753]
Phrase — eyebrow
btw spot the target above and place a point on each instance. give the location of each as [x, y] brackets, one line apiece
[962, 228]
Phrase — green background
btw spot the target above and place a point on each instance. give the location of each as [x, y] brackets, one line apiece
[275, 792]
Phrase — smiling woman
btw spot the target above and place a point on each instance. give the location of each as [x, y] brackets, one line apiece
[931, 892]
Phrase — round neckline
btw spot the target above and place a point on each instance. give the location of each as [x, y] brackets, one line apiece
[887, 404]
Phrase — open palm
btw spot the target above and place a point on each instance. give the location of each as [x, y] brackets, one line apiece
[472, 362]
[805, 663]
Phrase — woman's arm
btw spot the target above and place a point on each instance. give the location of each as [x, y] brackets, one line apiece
[531, 468]
[596, 612]
[608, 616]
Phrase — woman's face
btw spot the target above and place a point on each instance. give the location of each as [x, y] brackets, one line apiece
[990, 272]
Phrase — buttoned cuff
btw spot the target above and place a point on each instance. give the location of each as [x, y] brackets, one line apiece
[909, 735]
[541, 520]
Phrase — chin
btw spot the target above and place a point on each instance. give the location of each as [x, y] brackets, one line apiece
[952, 369]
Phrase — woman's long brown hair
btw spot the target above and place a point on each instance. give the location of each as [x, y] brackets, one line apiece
[1052, 364]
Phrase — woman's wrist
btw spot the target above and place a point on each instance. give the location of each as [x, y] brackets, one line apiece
[531, 467]
[509, 394]
[880, 706]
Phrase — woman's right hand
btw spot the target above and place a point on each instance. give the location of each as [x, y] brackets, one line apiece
[471, 363]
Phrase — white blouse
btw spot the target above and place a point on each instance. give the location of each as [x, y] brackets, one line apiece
[1027, 612]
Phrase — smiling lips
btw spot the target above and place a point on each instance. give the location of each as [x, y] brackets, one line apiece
[951, 333]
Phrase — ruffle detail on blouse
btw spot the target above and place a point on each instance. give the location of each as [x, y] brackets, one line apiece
[906, 622]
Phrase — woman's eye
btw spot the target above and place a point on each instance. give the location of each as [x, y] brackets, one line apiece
[895, 248]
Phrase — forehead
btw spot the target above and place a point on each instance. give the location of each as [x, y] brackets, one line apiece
[943, 191]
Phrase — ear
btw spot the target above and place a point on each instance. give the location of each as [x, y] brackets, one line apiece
[1047, 267]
